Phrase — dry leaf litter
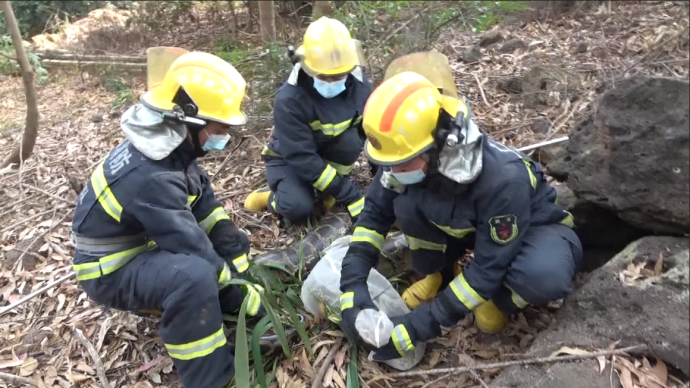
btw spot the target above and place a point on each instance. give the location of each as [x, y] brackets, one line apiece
[78, 126]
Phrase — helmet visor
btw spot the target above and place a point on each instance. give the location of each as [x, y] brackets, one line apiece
[158, 61]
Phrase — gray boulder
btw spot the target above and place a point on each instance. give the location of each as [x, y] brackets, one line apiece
[609, 307]
[632, 156]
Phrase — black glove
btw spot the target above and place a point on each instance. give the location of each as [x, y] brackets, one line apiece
[353, 301]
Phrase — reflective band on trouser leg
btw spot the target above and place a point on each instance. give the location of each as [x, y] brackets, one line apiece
[326, 178]
[401, 340]
[362, 234]
[241, 263]
[224, 277]
[568, 221]
[254, 301]
[356, 207]
[342, 169]
[196, 349]
[517, 299]
[210, 221]
[110, 263]
[347, 300]
[466, 294]
[417, 243]
[104, 195]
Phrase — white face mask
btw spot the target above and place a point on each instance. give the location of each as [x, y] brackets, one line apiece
[409, 177]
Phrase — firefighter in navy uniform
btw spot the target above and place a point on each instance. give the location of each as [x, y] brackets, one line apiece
[150, 236]
[317, 136]
[450, 187]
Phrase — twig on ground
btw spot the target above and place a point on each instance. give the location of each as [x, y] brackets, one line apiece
[481, 90]
[56, 247]
[25, 220]
[541, 360]
[318, 379]
[36, 293]
[8, 378]
[227, 159]
[26, 250]
[100, 371]
[34, 188]
[652, 50]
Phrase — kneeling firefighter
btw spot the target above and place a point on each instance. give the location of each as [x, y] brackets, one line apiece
[317, 134]
[450, 187]
[150, 236]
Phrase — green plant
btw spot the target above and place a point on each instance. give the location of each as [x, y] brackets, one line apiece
[10, 66]
[123, 91]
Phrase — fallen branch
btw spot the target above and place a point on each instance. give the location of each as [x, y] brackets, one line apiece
[227, 159]
[21, 381]
[100, 371]
[541, 360]
[318, 379]
[48, 63]
[34, 188]
[36, 293]
[481, 90]
[91, 58]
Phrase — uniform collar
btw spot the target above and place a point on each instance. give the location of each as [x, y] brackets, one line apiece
[294, 74]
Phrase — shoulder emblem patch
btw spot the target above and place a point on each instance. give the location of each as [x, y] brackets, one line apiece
[504, 229]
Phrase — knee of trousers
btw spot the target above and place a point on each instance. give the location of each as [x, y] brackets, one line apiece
[542, 283]
[194, 280]
[294, 207]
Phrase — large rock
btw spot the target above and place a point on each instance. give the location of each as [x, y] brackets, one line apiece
[541, 84]
[611, 306]
[632, 157]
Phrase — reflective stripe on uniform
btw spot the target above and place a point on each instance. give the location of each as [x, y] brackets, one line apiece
[362, 234]
[532, 177]
[326, 178]
[458, 233]
[418, 243]
[333, 129]
[196, 349]
[568, 221]
[109, 264]
[401, 339]
[210, 221]
[254, 301]
[466, 294]
[191, 199]
[347, 300]
[241, 263]
[356, 207]
[224, 277]
[106, 245]
[342, 169]
[517, 299]
[266, 151]
[104, 194]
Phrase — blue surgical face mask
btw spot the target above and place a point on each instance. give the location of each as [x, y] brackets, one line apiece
[215, 142]
[329, 89]
[409, 177]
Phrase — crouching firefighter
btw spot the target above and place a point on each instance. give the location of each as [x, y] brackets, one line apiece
[450, 188]
[150, 236]
[317, 134]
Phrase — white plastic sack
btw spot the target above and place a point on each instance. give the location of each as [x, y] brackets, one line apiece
[323, 285]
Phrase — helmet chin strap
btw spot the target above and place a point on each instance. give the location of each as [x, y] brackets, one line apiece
[194, 134]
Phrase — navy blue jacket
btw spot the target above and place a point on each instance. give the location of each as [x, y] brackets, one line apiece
[169, 204]
[492, 213]
[320, 138]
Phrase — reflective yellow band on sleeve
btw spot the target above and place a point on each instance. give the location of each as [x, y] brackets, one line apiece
[356, 207]
[417, 243]
[362, 234]
[532, 178]
[401, 340]
[104, 194]
[466, 294]
[241, 262]
[517, 299]
[457, 233]
[342, 169]
[347, 300]
[210, 221]
[196, 349]
[569, 220]
[331, 129]
[326, 178]
[224, 277]
[254, 302]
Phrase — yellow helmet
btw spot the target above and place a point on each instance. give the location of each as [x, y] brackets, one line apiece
[400, 118]
[216, 89]
[329, 49]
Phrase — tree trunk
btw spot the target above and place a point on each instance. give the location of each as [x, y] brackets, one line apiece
[250, 11]
[322, 8]
[267, 21]
[236, 25]
[24, 149]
